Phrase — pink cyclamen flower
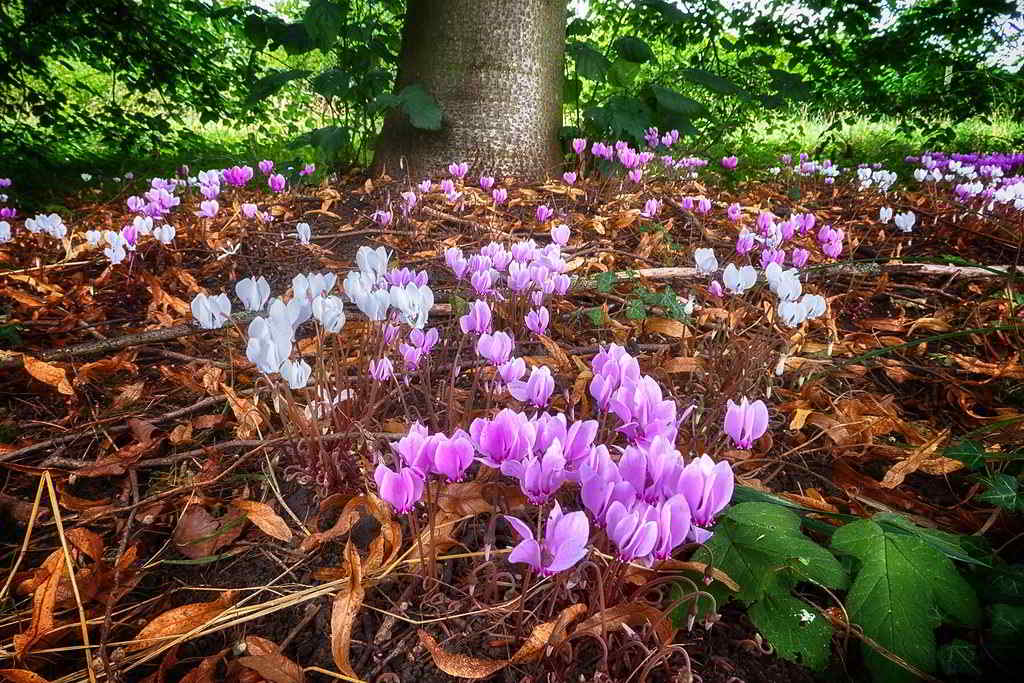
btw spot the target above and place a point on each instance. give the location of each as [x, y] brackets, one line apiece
[747, 422]
[382, 218]
[633, 529]
[687, 203]
[730, 163]
[537, 320]
[478, 319]
[772, 256]
[579, 146]
[636, 175]
[715, 289]
[745, 242]
[276, 182]
[560, 234]
[537, 389]
[497, 347]
[703, 205]
[308, 169]
[266, 166]
[509, 435]
[539, 477]
[832, 249]
[707, 488]
[402, 489]
[799, 257]
[564, 544]
[5, 182]
[424, 186]
[381, 369]
[208, 208]
[453, 456]
[651, 208]
[734, 212]
[486, 182]
[499, 195]
[512, 370]
[543, 213]
[569, 177]
[458, 170]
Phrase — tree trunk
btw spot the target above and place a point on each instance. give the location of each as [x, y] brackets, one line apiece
[495, 68]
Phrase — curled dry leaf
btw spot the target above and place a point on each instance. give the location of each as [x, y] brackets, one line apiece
[480, 497]
[200, 534]
[350, 514]
[459, 665]
[20, 676]
[48, 373]
[898, 472]
[274, 667]
[666, 327]
[264, 517]
[556, 352]
[549, 633]
[344, 610]
[631, 613]
[179, 620]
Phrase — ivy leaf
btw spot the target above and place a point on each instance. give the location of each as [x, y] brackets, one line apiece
[968, 452]
[634, 50]
[323, 20]
[900, 594]
[271, 83]
[636, 310]
[797, 630]
[761, 547]
[421, 108]
[605, 281]
[1001, 490]
[672, 101]
[959, 658]
[590, 63]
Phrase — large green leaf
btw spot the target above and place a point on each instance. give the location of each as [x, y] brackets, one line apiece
[634, 50]
[271, 83]
[330, 140]
[760, 546]
[676, 103]
[421, 108]
[332, 83]
[900, 594]
[623, 73]
[713, 82]
[590, 63]
[324, 20]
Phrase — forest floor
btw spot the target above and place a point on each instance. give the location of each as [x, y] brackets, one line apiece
[154, 457]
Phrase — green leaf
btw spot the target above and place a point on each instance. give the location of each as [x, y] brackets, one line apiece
[324, 20]
[330, 140]
[421, 108]
[332, 83]
[713, 82]
[597, 316]
[968, 452]
[636, 310]
[761, 547]
[1002, 490]
[1006, 628]
[255, 29]
[797, 630]
[959, 658]
[571, 90]
[672, 101]
[590, 63]
[271, 83]
[634, 50]
[623, 73]
[605, 281]
[902, 590]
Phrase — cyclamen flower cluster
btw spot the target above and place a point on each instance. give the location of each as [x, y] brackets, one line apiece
[648, 500]
[522, 270]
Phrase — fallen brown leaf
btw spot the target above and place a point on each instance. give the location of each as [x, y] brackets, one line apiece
[49, 374]
[344, 610]
[179, 620]
[264, 517]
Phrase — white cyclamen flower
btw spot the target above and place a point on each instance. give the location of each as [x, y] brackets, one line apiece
[164, 234]
[296, 372]
[414, 303]
[905, 221]
[739, 280]
[270, 342]
[706, 261]
[330, 311]
[373, 262]
[5, 232]
[885, 214]
[304, 232]
[211, 312]
[253, 293]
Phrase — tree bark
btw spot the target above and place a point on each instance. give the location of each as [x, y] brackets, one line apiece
[495, 68]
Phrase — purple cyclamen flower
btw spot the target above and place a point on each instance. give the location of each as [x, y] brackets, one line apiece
[674, 525]
[636, 175]
[509, 435]
[495, 347]
[543, 213]
[5, 182]
[643, 411]
[482, 282]
[208, 208]
[569, 177]
[707, 488]
[734, 212]
[832, 249]
[250, 210]
[651, 208]
[448, 186]
[401, 489]
[478, 319]
[390, 333]
[539, 476]
[800, 256]
[772, 256]
[745, 242]
[411, 356]
[486, 182]
[381, 217]
[730, 163]
[537, 320]
[715, 289]
[417, 449]
[564, 544]
[458, 170]
[456, 261]
[424, 186]
[266, 166]
[634, 529]
[276, 182]
[703, 205]
[238, 175]
[747, 422]
[499, 195]
[612, 367]
[579, 146]
[381, 369]
[512, 370]
[308, 169]
[602, 485]
[537, 389]
[560, 234]
[453, 456]
[687, 203]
